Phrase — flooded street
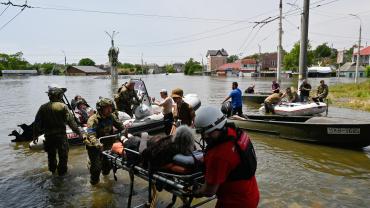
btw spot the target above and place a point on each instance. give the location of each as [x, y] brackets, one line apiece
[289, 173]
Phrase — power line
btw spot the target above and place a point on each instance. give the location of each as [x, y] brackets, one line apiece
[2, 27]
[4, 10]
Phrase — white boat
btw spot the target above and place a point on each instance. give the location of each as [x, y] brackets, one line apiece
[298, 109]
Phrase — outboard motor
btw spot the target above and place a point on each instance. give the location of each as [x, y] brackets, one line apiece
[226, 108]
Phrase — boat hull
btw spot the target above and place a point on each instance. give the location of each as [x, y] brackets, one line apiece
[256, 97]
[332, 132]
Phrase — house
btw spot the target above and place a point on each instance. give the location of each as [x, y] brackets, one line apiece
[154, 69]
[249, 67]
[215, 59]
[19, 72]
[179, 67]
[269, 61]
[349, 70]
[85, 71]
[364, 56]
[229, 69]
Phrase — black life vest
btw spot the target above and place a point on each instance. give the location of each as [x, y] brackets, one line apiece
[243, 145]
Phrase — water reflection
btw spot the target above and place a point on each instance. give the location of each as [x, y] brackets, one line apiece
[330, 160]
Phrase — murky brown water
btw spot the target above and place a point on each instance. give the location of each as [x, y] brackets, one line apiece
[290, 174]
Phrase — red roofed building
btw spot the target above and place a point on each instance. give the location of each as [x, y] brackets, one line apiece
[249, 65]
[364, 56]
[229, 69]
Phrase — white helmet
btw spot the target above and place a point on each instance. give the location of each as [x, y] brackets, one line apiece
[208, 119]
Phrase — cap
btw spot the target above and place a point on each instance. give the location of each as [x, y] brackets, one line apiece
[163, 90]
[177, 93]
[53, 87]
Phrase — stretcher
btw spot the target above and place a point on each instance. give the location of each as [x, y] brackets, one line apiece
[179, 185]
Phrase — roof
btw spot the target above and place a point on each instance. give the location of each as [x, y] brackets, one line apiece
[249, 61]
[363, 52]
[319, 69]
[350, 67]
[221, 52]
[19, 71]
[89, 69]
[229, 66]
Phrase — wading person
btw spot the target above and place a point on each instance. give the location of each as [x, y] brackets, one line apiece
[126, 98]
[230, 161]
[321, 92]
[51, 119]
[304, 89]
[182, 111]
[166, 104]
[236, 99]
[99, 125]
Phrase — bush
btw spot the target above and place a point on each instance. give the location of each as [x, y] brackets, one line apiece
[367, 71]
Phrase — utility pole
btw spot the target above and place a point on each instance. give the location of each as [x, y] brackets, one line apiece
[259, 60]
[358, 48]
[65, 60]
[279, 55]
[142, 64]
[304, 42]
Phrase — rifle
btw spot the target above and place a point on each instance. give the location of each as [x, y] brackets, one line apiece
[70, 107]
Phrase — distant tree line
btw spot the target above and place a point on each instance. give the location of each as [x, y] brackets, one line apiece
[322, 55]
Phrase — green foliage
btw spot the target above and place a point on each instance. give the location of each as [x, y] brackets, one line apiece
[86, 62]
[322, 51]
[13, 62]
[367, 71]
[192, 66]
[291, 59]
[170, 69]
[232, 58]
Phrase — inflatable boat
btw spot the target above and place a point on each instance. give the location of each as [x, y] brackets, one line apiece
[147, 117]
[298, 109]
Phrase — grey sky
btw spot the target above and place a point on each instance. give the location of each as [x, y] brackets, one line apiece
[168, 31]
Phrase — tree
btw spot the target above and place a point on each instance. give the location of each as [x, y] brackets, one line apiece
[192, 66]
[170, 69]
[232, 58]
[13, 61]
[291, 59]
[322, 51]
[86, 62]
[367, 71]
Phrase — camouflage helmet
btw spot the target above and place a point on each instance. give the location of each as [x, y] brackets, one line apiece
[103, 102]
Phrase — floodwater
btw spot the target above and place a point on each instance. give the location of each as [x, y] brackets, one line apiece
[289, 174]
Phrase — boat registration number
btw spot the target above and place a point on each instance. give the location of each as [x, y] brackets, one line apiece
[343, 130]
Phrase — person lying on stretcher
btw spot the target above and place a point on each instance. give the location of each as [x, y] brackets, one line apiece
[175, 153]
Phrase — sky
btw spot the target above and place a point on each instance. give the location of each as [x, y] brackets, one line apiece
[171, 31]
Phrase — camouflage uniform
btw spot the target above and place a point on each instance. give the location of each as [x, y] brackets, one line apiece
[125, 99]
[322, 92]
[51, 119]
[99, 126]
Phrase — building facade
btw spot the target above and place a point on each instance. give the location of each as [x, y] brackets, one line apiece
[215, 59]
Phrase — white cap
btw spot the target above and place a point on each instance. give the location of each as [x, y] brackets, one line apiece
[163, 90]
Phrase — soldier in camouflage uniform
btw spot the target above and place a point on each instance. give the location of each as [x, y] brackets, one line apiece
[322, 92]
[99, 125]
[51, 119]
[126, 98]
